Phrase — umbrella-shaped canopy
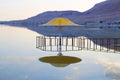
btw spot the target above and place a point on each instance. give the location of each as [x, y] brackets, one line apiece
[60, 22]
[60, 61]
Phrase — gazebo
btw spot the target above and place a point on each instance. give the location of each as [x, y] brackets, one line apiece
[60, 23]
[74, 43]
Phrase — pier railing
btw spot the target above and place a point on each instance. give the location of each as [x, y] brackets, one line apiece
[78, 43]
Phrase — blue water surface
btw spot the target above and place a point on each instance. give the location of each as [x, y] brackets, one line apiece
[19, 60]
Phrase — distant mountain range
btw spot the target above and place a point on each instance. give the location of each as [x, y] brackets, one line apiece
[106, 7]
[105, 11]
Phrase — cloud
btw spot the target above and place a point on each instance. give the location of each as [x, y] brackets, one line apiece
[112, 69]
[16, 59]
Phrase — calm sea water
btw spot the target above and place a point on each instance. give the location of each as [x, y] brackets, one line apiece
[19, 60]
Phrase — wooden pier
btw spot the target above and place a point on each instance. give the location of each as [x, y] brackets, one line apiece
[110, 45]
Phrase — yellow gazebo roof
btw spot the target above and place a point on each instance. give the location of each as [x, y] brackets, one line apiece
[60, 22]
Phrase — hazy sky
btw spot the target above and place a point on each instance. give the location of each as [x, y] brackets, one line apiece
[21, 9]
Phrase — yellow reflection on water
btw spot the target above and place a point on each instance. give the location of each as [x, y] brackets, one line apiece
[60, 61]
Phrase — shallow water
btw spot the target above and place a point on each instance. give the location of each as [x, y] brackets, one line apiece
[19, 60]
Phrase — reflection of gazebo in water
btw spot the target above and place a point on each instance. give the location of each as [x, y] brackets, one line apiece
[59, 60]
[71, 43]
